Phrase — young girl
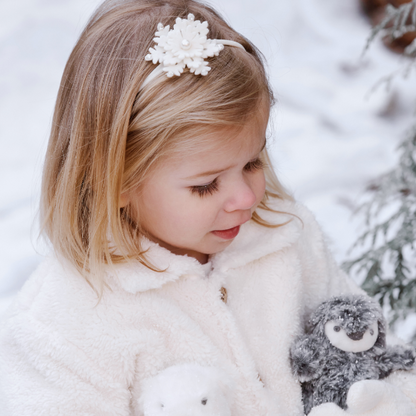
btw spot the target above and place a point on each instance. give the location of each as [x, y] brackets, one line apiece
[173, 240]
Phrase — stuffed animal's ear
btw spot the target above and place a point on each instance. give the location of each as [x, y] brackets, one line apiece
[323, 313]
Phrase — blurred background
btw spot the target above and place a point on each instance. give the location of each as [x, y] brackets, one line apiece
[333, 130]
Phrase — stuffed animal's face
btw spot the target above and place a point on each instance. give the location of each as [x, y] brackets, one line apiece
[351, 323]
[187, 390]
[358, 341]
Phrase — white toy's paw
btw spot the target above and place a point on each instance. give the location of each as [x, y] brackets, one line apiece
[327, 409]
[378, 398]
[370, 398]
[365, 395]
[187, 390]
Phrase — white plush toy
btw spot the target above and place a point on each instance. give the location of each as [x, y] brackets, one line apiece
[187, 390]
[370, 398]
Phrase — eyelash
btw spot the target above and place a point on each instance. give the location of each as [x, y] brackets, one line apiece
[204, 190]
[211, 188]
[254, 165]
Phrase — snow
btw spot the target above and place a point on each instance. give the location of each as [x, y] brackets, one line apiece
[332, 130]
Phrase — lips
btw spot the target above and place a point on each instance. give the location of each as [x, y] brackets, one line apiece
[227, 234]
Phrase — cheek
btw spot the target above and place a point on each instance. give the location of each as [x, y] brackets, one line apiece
[172, 210]
[162, 208]
[259, 186]
[199, 212]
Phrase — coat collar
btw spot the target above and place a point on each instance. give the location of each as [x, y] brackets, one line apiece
[135, 277]
[253, 242]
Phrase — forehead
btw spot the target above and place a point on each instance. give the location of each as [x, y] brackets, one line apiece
[235, 139]
[218, 154]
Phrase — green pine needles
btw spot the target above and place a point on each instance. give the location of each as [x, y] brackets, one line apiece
[387, 259]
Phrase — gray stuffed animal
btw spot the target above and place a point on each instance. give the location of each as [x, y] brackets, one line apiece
[345, 343]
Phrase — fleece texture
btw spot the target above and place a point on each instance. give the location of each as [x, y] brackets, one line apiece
[64, 353]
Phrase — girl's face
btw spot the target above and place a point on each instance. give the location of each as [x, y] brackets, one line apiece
[195, 205]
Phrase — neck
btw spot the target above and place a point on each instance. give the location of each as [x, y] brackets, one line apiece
[201, 257]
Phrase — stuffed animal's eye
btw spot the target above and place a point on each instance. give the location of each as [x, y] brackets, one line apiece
[371, 332]
[204, 401]
[337, 328]
[162, 405]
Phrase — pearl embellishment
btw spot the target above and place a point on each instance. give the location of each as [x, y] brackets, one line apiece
[185, 44]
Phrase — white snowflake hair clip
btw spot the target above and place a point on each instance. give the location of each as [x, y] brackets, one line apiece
[186, 45]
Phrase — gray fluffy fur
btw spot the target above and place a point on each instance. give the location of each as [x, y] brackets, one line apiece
[326, 372]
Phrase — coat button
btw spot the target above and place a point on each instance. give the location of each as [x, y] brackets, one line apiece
[224, 295]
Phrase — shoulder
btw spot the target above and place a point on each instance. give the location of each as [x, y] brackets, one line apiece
[57, 320]
[58, 303]
[52, 287]
[59, 341]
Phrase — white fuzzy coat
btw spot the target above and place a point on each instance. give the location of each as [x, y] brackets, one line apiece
[62, 353]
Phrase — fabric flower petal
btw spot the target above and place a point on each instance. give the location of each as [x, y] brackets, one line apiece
[172, 70]
[202, 69]
[185, 45]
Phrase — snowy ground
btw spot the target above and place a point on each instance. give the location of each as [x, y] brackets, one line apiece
[331, 134]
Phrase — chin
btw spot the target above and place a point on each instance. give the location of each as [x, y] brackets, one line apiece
[219, 247]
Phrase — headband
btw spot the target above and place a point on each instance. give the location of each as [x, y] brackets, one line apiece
[186, 45]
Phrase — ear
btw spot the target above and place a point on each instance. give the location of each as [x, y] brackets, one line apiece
[124, 199]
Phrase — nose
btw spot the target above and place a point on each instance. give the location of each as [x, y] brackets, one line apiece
[241, 196]
[356, 336]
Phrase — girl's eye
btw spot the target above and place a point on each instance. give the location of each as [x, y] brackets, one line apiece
[203, 190]
[254, 165]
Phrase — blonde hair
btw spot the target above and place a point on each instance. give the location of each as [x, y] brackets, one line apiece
[108, 132]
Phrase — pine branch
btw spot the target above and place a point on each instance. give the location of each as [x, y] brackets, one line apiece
[397, 22]
[388, 263]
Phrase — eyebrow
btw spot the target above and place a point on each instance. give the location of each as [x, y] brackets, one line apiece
[215, 172]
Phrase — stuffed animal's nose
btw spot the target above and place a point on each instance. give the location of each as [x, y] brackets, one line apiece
[356, 336]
